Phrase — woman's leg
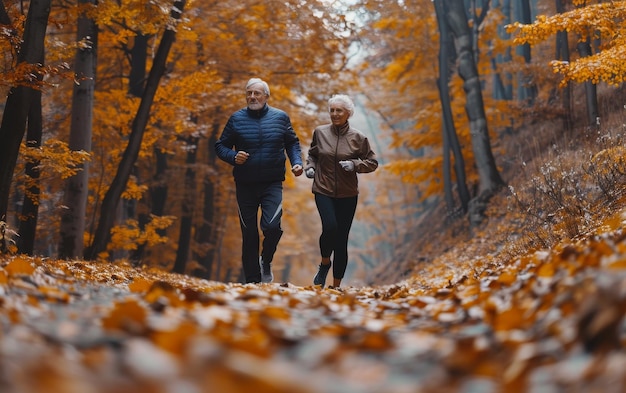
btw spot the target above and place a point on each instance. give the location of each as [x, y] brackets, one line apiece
[326, 209]
[345, 209]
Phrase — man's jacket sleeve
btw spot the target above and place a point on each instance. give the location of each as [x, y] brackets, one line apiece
[292, 145]
[224, 145]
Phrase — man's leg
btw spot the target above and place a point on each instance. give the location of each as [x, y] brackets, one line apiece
[248, 205]
[271, 213]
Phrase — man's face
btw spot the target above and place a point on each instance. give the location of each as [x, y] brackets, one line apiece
[255, 96]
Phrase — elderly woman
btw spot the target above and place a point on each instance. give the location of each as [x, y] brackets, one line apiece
[337, 153]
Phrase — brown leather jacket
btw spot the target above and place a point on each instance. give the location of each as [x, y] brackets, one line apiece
[331, 144]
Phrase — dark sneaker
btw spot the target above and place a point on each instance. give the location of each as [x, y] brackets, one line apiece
[266, 271]
[320, 277]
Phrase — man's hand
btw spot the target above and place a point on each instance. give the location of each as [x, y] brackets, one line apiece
[297, 169]
[347, 165]
[310, 173]
[241, 157]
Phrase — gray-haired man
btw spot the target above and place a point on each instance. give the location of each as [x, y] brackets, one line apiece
[255, 141]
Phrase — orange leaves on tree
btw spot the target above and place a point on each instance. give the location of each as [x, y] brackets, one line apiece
[130, 236]
[602, 21]
[412, 111]
[145, 16]
[54, 157]
[134, 190]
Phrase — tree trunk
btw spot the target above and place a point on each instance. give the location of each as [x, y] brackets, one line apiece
[159, 191]
[77, 187]
[158, 198]
[447, 56]
[489, 177]
[136, 85]
[30, 207]
[503, 88]
[112, 197]
[562, 53]
[188, 204]
[4, 16]
[137, 77]
[206, 235]
[591, 92]
[17, 106]
[527, 91]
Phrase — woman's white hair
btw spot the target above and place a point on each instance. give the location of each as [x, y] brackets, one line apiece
[343, 100]
[254, 81]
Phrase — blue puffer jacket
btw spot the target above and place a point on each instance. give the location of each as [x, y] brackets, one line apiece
[266, 135]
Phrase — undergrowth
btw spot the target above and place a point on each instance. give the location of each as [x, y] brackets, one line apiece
[561, 185]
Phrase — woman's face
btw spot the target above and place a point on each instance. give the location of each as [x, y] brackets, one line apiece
[338, 114]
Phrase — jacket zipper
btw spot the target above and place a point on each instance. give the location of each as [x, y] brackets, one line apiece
[260, 147]
[336, 163]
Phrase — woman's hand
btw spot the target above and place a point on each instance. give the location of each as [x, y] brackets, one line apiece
[347, 165]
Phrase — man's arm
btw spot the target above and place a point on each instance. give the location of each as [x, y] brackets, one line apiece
[292, 145]
[226, 142]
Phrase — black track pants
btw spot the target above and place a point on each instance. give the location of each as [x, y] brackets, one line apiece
[269, 197]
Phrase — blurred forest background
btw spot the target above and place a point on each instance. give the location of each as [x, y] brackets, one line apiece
[113, 108]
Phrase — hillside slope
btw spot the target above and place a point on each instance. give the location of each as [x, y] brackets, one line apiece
[514, 218]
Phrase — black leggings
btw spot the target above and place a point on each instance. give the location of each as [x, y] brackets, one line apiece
[336, 215]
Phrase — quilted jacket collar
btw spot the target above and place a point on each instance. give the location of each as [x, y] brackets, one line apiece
[259, 113]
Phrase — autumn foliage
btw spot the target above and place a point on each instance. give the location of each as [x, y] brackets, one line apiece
[532, 299]
[382, 52]
[603, 23]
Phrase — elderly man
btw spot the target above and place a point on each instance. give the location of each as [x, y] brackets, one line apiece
[255, 141]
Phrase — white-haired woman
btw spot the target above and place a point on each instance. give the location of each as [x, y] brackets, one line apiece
[337, 153]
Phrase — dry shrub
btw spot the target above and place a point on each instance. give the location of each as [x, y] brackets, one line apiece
[566, 193]
[7, 239]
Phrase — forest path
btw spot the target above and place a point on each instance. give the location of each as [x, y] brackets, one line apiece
[553, 320]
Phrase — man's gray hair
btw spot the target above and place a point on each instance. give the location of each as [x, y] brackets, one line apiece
[254, 81]
[343, 100]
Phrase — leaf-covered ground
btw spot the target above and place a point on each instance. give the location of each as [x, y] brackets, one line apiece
[550, 321]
